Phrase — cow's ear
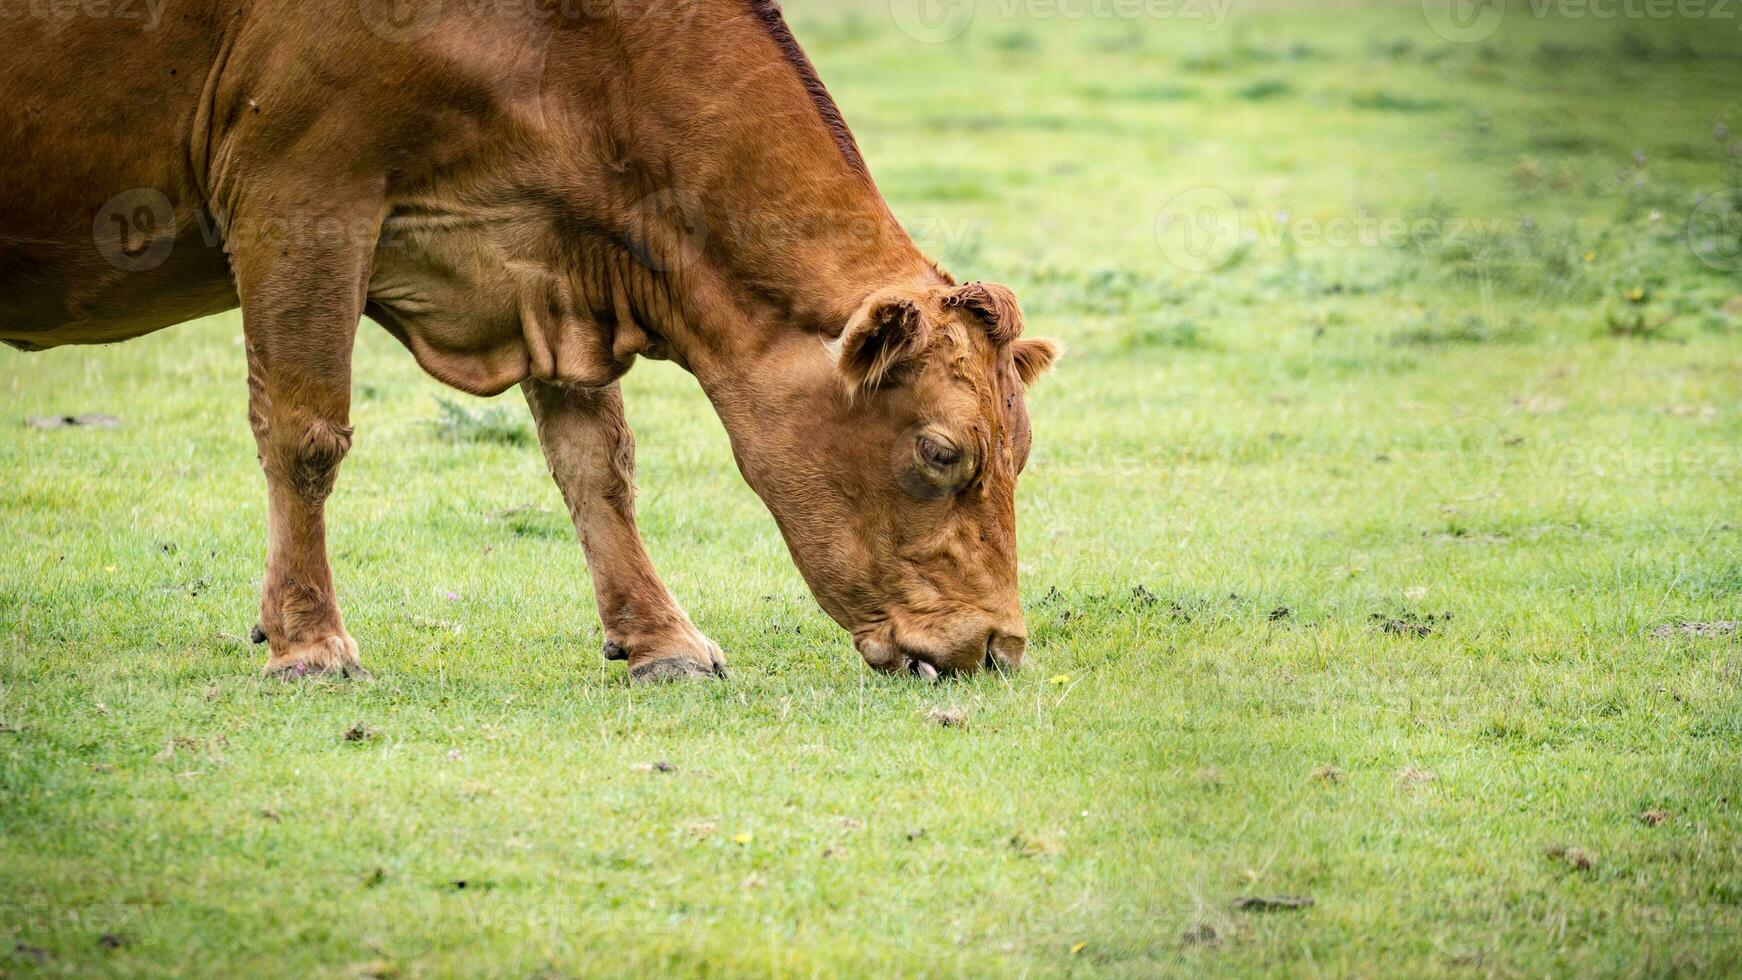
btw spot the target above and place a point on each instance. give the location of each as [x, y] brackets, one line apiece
[1035, 357]
[886, 332]
[994, 305]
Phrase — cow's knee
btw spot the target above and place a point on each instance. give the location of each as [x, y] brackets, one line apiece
[306, 452]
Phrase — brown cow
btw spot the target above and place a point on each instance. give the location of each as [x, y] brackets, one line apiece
[529, 195]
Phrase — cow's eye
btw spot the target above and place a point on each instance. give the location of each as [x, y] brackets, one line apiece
[931, 467]
[938, 455]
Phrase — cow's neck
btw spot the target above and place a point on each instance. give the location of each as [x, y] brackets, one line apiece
[748, 197]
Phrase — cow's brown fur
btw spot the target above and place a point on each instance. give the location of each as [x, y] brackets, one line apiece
[523, 196]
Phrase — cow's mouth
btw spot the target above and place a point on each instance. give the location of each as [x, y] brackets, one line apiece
[929, 666]
[891, 656]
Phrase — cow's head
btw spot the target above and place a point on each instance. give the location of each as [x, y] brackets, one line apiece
[890, 461]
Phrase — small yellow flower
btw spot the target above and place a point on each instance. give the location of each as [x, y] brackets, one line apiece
[1061, 678]
[108, 568]
[1636, 294]
[1590, 256]
[1078, 948]
[743, 838]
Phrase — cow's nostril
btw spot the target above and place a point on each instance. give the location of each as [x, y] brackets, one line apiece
[1004, 650]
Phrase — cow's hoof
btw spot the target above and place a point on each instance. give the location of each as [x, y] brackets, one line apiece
[332, 656]
[694, 658]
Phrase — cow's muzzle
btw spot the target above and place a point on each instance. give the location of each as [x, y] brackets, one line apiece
[991, 649]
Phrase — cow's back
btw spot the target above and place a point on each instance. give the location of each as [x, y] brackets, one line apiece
[100, 121]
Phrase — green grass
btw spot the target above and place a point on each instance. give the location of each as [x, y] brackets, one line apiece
[1342, 564]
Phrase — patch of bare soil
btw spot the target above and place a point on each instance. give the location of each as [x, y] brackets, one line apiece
[1700, 630]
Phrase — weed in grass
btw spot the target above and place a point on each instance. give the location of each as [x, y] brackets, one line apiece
[1385, 100]
[1436, 329]
[1015, 42]
[1264, 89]
[1174, 334]
[499, 424]
[1162, 92]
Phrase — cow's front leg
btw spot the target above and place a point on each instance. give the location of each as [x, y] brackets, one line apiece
[592, 456]
[300, 307]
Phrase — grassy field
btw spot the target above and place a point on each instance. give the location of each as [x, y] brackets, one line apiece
[1403, 415]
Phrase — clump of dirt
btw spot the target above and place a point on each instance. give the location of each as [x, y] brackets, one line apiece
[1111, 604]
[1653, 817]
[1410, 777]
[360, 732]
[1330, 775]
[1700, 630]
[948, 717]
[1271, 903]
[1576, 858]
[1030, 845]
[35, 953]
[1280, 613]
[88, 420]
[1411, 624]
[208, 747]
[1201, 934]
[657, 766]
